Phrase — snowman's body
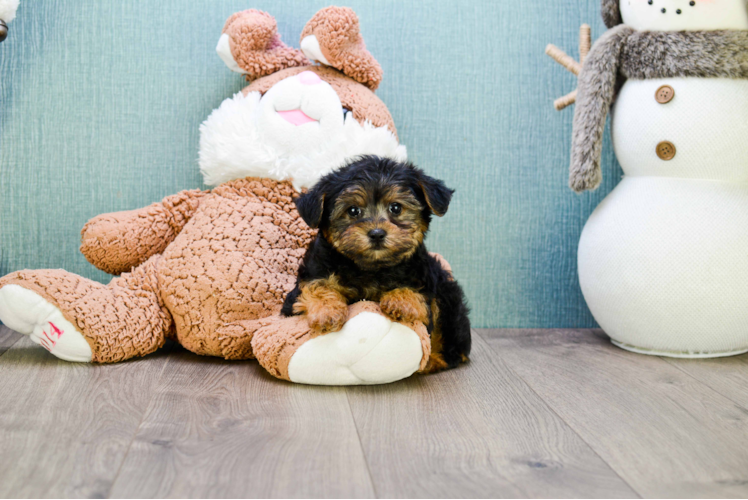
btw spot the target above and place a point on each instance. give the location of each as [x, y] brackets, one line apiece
[663, 260]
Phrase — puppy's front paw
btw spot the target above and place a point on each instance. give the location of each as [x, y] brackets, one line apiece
[324, 305]
[326, 318]
[404, 304]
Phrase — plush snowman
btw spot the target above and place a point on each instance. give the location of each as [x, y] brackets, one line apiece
[8, 10]
[663, 260]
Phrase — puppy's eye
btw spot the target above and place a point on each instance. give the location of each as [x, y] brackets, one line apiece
[396, 208]
[354, 211]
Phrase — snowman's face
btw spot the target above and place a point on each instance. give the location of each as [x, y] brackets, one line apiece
[685, 15]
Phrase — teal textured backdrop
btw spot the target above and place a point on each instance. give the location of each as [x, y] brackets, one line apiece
[101, 100]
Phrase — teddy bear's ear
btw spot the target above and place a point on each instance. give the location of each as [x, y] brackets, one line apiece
[332, 37]
[250, 44]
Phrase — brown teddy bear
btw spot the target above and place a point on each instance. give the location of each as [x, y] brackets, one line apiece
[210, 269]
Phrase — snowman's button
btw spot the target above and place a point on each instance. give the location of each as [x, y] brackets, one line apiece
[666, 150]
[665, 94]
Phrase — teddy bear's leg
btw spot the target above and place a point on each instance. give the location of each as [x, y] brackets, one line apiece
[29, 313]
[77, 319]
[370, 349]
[236, 338]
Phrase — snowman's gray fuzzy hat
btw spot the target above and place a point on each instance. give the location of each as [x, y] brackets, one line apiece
[611, 13]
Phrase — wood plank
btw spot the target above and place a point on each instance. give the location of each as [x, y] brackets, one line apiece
[477, 431]
[8, 338]
[65, 427]
[228, 429]
[665, 433]
[727, 376]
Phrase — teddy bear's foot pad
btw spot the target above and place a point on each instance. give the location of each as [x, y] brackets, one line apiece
[28, 313]
[370, 349]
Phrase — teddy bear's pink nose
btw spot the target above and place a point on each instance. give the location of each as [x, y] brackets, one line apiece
[309, 78]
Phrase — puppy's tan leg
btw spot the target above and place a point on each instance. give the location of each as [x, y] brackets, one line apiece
[436, 362]
[405, 304]
[324, 304]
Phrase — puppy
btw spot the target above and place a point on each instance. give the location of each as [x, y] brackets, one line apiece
[372, 216]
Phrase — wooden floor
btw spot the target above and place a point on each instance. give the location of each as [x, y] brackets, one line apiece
[537, 413]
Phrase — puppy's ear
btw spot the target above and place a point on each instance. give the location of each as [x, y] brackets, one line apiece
[310, 206]
[437, 195]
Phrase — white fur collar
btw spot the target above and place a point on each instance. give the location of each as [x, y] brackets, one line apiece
[232, 147]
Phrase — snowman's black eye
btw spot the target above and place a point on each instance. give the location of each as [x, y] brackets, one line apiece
[692, 3]
[354, 212]
[650, 2]
[679, 11]
[664, 10]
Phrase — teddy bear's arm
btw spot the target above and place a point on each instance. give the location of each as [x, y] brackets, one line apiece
[117, 242]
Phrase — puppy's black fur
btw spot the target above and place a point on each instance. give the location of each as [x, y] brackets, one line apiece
[375, 194]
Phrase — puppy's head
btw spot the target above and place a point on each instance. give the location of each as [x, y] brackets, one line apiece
[375, 211]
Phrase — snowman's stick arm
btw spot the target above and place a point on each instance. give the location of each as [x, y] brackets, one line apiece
[563, 59]
[585, 42]
[565, 101]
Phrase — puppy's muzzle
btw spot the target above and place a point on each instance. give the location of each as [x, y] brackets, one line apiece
[377, 236]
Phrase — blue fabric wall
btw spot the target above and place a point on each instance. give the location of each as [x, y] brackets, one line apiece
[100, 103]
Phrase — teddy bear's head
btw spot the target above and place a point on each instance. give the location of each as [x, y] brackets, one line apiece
[296, 120]
[677, 15]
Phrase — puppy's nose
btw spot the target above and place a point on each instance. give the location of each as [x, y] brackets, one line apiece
[309, 78]
[377, 235]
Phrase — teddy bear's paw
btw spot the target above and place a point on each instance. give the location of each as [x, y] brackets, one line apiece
[369, 349]
[28, 313]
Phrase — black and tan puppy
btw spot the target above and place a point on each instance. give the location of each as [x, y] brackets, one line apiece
[373, 215]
